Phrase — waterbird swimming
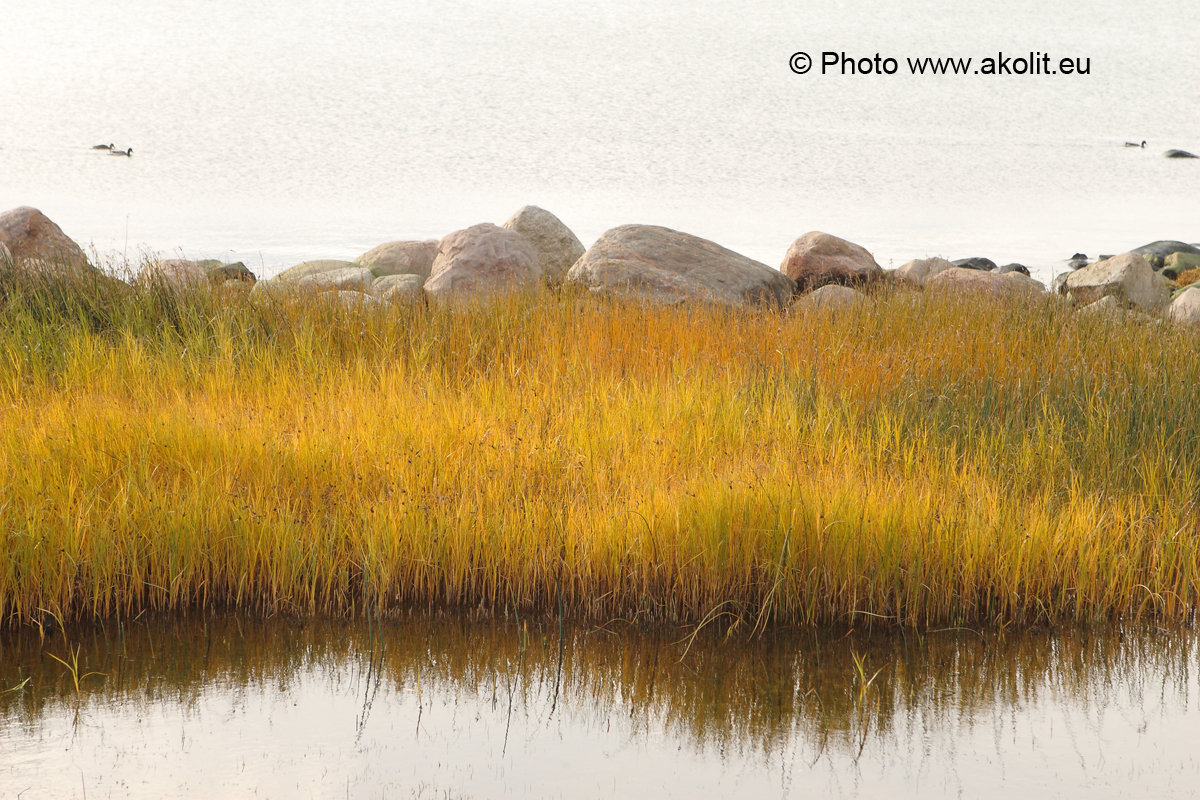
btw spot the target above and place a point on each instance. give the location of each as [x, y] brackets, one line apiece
[128, 152]
[1135, 144]
[102, 147]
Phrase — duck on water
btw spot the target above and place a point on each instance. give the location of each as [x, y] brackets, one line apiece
[102, 147]
[1135, 144]
[128, 152]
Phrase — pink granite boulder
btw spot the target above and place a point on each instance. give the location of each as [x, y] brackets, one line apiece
[817, 259]
[481, 261]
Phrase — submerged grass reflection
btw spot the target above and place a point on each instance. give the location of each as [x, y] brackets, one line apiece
[817, 689]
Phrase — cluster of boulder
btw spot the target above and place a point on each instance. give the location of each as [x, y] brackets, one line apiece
[534, 248]
[531, 248]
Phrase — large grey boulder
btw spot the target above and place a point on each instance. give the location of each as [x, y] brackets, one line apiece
[669, 266]
[294, 274]
[1128, 277]
[920, 270]
[353, 300]
[1178, 263]
[346, 279]
[398, 288]
[830, 297]
[307, 278]
[816, 259]
[1185, 307]
[557, 247]
[184, 273]
[400, 258]
[996, 284]
[1108, 306]
[30, 236]
[483, 260]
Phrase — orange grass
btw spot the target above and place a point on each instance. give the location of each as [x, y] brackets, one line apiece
[917, 461]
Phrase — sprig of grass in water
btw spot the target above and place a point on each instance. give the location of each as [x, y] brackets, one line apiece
[73, 667]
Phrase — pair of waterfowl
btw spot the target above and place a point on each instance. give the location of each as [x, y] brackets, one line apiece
[113, 150]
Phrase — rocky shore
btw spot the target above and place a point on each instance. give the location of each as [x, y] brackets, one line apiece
[533, 248]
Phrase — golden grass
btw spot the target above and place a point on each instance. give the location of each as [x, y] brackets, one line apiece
[919, 461]
[1189, 277]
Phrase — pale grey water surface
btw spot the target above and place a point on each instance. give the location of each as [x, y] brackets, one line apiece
[449, 707]
[275, 132]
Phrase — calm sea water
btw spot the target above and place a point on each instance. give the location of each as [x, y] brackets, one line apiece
[275, 132]
[450, 708]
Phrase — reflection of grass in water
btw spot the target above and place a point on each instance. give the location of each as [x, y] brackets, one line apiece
[817, 689]
[919, 461]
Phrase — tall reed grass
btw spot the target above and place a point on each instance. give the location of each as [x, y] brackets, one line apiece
[917, 461]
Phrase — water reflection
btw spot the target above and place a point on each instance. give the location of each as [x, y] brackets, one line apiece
[448, 706]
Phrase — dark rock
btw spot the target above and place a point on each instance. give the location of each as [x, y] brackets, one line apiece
[977, 262]
[1021, 268]
[1180, 154]
[1181, 262]
[1079, 257]
[1164, 248]
[1170, 272]
[220, 271]
[183, 273]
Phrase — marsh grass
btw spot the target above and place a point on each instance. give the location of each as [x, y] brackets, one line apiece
[920, 461]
